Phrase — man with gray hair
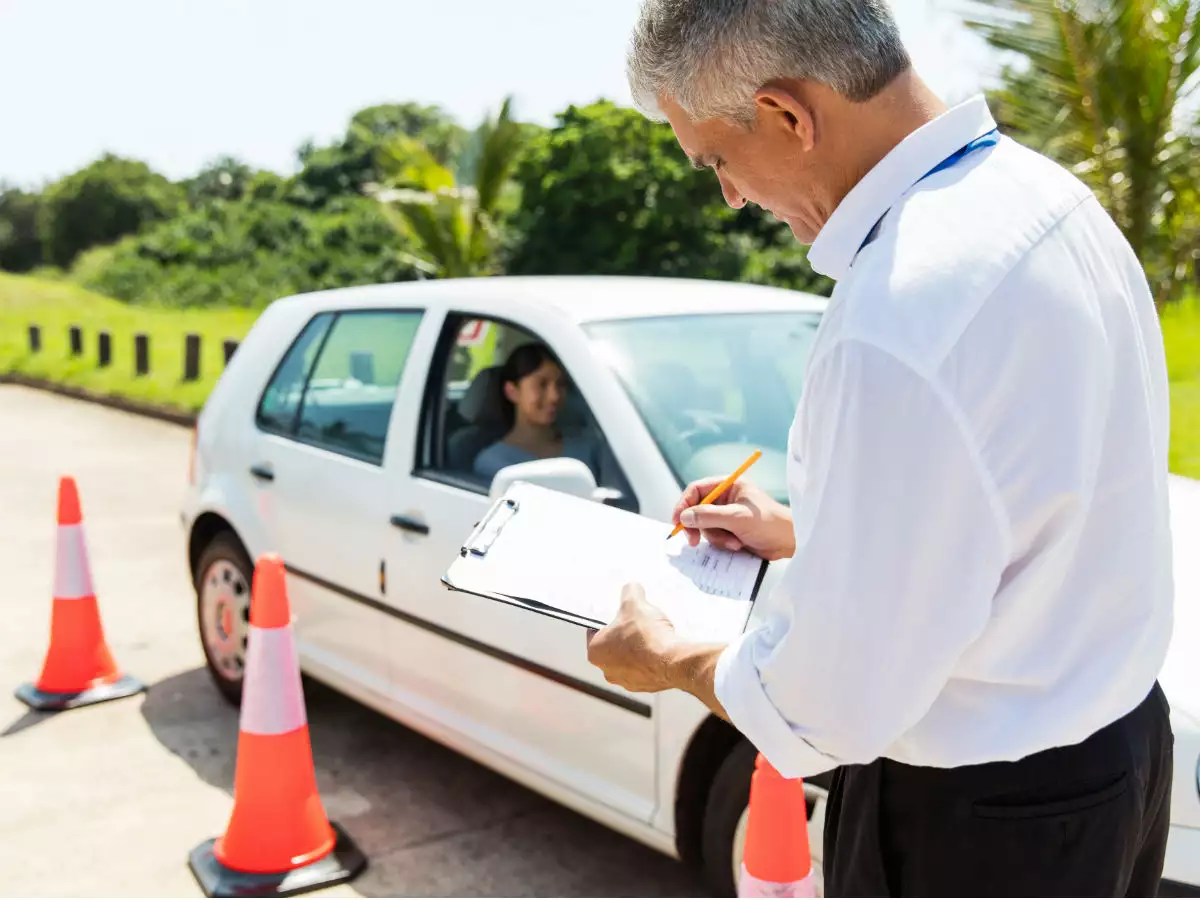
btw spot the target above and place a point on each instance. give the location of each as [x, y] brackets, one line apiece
[979, 594]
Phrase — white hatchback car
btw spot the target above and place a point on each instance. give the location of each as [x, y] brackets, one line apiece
[343, 435]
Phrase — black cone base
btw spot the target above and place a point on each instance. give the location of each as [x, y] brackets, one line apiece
[342, 863]
[125, 686]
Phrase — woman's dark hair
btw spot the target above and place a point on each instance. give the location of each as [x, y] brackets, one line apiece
[522, 362]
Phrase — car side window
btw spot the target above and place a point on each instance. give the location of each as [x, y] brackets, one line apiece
[467, 412]
[350, 389]
[281, 400]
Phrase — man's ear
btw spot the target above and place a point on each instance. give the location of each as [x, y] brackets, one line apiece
[783, 106]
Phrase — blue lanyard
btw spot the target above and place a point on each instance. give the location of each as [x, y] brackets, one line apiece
[984, 140]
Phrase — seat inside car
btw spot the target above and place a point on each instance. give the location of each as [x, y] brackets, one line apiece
[482, 408]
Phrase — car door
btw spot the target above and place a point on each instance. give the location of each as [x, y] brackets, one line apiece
[517, 682]
[322, 431]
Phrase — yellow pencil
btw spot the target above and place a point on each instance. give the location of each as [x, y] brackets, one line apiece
[723, 486]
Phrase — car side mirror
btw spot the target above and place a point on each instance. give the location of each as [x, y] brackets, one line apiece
[570, 476]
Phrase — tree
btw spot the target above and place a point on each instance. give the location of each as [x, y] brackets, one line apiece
[250, 252]
[1102, 87]
[224, 178]
[374, 126]
[352, 162]
[100, 203]
[20, 246]
[606, 191]
[454, 227]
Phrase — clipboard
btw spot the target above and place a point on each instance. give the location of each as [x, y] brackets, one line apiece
[567, 558]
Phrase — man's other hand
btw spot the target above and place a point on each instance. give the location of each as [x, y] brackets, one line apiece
[744, 517]
[634, 650]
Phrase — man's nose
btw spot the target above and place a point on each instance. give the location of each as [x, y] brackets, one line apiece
[732, 195]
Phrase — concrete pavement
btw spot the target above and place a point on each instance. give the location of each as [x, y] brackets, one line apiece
[108, 800]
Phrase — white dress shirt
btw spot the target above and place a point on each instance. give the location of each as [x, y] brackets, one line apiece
[977, 473]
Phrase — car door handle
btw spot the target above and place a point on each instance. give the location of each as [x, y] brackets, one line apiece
[405, 523]
[262, 472]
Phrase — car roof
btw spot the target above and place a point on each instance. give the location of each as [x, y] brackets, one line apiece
[580, 298]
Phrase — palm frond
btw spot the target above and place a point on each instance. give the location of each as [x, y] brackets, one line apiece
[1100, 90]
[452, 225]
[500, 142]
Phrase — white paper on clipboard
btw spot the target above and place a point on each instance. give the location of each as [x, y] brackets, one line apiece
[568, 557]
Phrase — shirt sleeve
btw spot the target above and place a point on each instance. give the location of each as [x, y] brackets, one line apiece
[900, 546]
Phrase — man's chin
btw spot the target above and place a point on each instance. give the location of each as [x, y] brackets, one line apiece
[800, 231]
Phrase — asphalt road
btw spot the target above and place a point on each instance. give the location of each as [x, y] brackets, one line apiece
[110, 799]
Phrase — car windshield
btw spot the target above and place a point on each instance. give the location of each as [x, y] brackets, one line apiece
[712, 388]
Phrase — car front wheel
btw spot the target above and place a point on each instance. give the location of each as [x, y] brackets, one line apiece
[224, 577]
[726, 816]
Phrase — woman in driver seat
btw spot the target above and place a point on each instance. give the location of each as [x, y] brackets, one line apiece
[535, 389]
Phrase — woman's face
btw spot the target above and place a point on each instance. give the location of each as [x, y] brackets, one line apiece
[538, 396]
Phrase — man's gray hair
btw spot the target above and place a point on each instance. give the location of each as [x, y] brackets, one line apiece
[711, 56]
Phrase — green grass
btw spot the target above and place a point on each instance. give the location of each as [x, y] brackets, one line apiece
[1181, 336]
[56, 305]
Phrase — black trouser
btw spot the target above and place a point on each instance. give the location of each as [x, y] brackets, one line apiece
[1088, 820]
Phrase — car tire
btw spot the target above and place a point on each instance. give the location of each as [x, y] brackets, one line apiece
[223, 582]
[727, 803]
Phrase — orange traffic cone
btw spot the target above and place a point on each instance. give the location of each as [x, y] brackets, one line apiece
[776, 860]
[278, 840]
[78, 669]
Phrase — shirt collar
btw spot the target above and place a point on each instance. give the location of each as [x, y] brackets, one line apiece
[839, 241]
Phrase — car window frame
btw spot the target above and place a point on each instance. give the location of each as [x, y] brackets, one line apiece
[259, 424]
[431, 421]
[293, 433]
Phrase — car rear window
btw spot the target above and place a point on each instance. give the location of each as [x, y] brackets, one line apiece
[281, 400]
[339, 392]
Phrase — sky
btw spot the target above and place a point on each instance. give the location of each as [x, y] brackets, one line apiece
[178, 83]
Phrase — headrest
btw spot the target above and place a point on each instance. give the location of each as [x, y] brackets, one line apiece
[483, 403]
[573, 414]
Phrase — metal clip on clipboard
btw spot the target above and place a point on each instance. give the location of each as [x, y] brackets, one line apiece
[485, 532]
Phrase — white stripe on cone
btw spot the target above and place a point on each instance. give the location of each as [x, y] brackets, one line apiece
[72, 574]
[749, 886]
[272, 700]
